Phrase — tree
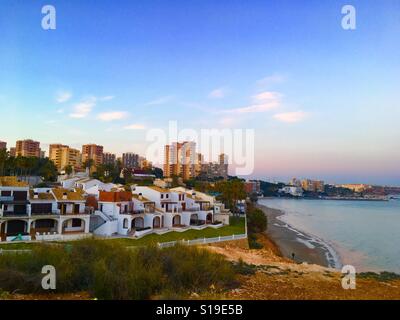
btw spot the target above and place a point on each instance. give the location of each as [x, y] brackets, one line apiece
[68, 169]
[231, 192]
[253, 197]
[3, 160]
[256, 220]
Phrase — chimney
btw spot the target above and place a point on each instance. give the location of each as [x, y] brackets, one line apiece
[65, 196]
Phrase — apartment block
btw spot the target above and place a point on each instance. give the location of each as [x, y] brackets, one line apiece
[180, 159]
[313, 185]
[28, 148]
[218, 169]
[63, 156]
[3, 145]
[93, 152]
[109, 158]
[252, 186]
[130, 160]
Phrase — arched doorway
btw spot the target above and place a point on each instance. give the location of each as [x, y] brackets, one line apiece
[194, 219]
[156, 222]
[176, 221]
[209, 218]
[138, 223]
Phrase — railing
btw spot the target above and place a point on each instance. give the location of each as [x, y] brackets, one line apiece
[19, 251]
[13, 214]
[203, 240]
[6, 198]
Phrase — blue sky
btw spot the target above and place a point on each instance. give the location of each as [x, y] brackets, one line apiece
[323, 101]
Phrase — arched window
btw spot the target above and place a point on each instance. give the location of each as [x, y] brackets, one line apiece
[125, 223]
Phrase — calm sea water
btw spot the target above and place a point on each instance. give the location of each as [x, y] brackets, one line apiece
[365, 234]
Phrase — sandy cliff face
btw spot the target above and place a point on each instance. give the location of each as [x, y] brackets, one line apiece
[279, 278]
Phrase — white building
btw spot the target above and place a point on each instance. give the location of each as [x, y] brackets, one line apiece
[43, 214]
[292, 190]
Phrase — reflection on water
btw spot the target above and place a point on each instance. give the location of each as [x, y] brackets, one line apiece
[366, 234]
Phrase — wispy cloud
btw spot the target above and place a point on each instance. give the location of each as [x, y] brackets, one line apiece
[135, 126]
[291, 117]
[218, 93]
[63, 96]
[106, 98]
[159, 101]
[263, 102]
[272, 79]
[83, 108]
[111, 116]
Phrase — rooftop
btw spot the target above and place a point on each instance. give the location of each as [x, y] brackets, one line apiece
[12, 182]
[74, 195]
[41, 195]
[159, 189]
[111, 196]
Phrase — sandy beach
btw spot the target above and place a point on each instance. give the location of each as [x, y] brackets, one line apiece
[290, 241]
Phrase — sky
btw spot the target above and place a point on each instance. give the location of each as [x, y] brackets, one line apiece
[323, 101]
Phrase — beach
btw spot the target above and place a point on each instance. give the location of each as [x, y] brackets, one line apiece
[305, 247]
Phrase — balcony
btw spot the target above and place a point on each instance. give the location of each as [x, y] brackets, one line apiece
[12, 214]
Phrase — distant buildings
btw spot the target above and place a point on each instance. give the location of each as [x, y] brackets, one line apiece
[252, 186]
[130, 160]
[356, 187]
[28, 148]
[180, 159]
[307, 185]
[313, 185]
[3, 145]
[144, 163]
[92, 152]
[292, 190]
[109, 158]
[218, 169]
[64, 156]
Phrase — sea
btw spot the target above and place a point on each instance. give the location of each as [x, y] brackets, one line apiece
[364, 234]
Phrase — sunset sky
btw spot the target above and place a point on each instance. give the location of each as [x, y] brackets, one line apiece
[324, 102]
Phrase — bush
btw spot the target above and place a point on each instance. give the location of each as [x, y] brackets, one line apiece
[108, 270]
[256, 220]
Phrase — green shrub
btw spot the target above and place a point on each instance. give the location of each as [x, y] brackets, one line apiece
[108, 270]
[256, 220]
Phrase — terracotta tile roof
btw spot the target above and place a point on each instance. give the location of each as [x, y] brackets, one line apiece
[41, 196]
[111, 196]
[12, 182]
[76, 195]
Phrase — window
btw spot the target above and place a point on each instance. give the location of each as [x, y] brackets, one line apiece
[125, 223]
[166, 195]
[162, 196]
[76, 208]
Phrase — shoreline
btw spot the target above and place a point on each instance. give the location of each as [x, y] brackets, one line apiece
[306, 247]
